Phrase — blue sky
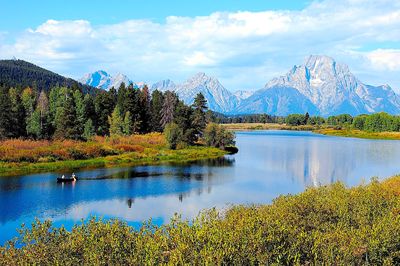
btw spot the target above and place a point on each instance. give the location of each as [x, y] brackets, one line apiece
[30, 13]
[243, 43]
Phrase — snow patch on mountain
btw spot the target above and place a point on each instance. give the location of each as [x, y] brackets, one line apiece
[243, 94]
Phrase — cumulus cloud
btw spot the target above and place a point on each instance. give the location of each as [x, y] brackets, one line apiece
[385, 59]
[244, 49]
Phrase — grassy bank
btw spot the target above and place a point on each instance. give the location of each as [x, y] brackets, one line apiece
[331, 225]
[325, 130]
[267, 126]
[359, 134]
[24, 156]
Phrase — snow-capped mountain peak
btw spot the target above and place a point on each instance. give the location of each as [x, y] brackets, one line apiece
[102, 80]
[319, 86]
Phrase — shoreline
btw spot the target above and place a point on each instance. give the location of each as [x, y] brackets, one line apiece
[127, 159]
[329, 131]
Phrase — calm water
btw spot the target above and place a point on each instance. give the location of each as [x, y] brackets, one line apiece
[269, 163]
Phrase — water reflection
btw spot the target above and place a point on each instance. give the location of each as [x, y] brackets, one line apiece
[269, 163]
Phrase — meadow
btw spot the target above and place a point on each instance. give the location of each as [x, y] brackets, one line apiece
[328, 225]
[19, 156]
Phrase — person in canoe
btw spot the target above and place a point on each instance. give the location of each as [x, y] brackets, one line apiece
[73, 176]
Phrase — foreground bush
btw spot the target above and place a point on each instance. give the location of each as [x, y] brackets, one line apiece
[330, 225]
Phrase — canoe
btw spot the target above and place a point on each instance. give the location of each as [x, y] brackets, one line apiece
[59, 179]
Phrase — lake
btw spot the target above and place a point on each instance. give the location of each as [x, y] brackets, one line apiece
[269, 164]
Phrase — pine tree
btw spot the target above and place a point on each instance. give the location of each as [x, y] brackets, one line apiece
[89, 111]
[104, 106]
[88, 131]
[199, 117]
[6, 121]
[133, 107]
[28, 101]
[122, 97]
[17, 114]
[66, 120]
[156, 104]
[33, 125]
[127, 126]
[116, 122]
[183, 118]
[57, 98]
[168, 109]
[80, 111]
[43, 109]
[144, 111]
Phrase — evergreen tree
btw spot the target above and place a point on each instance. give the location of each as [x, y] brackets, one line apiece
[66, 120]
[43, 109]
[33, 125]
[168, 108]
[89, 111]
[127, 125]
[89, 130]
[57, 98]
[116, 122]
[156, 104]
[80, 111]
[144, 111]
[28, 101]
[104, 106]
[183, 118]
[133, 107]
[121, 97]
[199, 117]
[6, 121]
[173, 135]
[17, 114]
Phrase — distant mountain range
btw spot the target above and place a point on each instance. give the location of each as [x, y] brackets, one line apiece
[320, 86]
[102, 80]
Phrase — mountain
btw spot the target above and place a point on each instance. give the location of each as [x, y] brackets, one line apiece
[319, 86]
[277, 100]
[243, 94]
[218, 98]
[19, 73]
[102, 80]
[164, 85]
[333, 89]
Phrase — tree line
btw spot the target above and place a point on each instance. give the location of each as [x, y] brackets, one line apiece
[378, 122]
[68, 113]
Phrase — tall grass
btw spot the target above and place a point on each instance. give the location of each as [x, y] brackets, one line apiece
[26, 156]
[18, 150]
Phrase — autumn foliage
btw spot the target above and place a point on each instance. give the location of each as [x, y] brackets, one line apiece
[18, 150]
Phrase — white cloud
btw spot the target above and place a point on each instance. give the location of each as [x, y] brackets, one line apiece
[244, 48]
[385, 59]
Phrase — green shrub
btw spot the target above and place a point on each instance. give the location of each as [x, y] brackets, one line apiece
[173, 135]
[216, 136]
[330, 225]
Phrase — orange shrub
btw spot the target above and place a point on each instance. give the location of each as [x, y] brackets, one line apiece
[19, 150]
[129, 148]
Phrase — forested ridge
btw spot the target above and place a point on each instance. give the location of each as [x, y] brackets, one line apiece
[22, 74]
